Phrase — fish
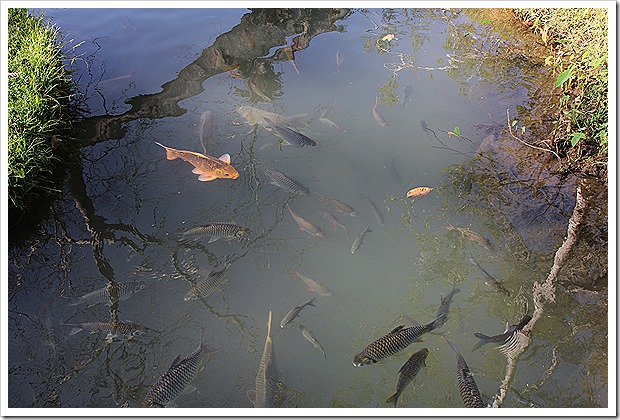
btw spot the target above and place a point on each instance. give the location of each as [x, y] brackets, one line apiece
[172, 383]
[310, 337]
[393, 172]
[266, 378]
[378, 117]
[285, 182]
[467, 385]
[340, 206]
[267, 119]
[393, 342]
[490, 280]
[504, 337]
[472, 236]
[358, 241]
[217, 230]
[444, 306]
[309, 227]
[114, 329]
[208, 286]
[209, 168]
[375, 210]
[407, 96]
[313, 285]
[339, 59]
[292, 314]
[207, 129]
[110, 294]
[291, 137]
[418, 192]
[332, 219]
[407, 372]
[330, 123]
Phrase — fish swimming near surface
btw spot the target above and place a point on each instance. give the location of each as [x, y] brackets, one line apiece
[209, 168]
[263, 395]
[393, 172]
[341, 207]
[358, 241]
[313, 285]
[114, 329]
[285, 182]
[444, 306]
[375, 210]
[489, 279]
[218, 230]
[407, 92]
[393, 342]
[471, 236]
[339, 59]
[291, 137]
[310, 337]
[504, 337]
[266, 119]
[172, 383]
[407, 372]
[110, 294]
[309, 227]
[207, 129]
[378, 117]
[467, 385]
[208, 286]
[292, 314]
[332, 219]
[418, 192]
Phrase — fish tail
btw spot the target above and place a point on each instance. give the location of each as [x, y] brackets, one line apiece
[346, 231]
[269, 325]
[450, 344]
[311, 302]
[393, 399]
[484, 339]
[170, 153]
[439, 321]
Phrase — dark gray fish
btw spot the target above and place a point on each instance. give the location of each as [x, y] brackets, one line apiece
[407, 372]
[502, 338]
[407, 99]
[285, 182]
[467, 385]
[358, 241]
[378, 117]
[267, 376]
[218, 230]
[393, 172]
[110, 294]
[310, 337]
[341, 207]
[291, 137]
[332, 219]
[207, 130]
[444, 306]
[374, 209]
[292, 314]
[206, 287]
[172, 383]
[112, 328]
[490, 280]
[393, 342]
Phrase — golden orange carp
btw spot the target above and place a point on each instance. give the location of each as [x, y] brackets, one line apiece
[209, 168]
[418, 192]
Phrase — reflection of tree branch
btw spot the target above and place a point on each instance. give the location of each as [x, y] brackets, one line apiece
[523, 141]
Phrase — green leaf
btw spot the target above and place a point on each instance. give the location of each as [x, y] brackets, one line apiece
[514, 122]
[484, 22]
[564, 76]
[457, 130]
[576, 138]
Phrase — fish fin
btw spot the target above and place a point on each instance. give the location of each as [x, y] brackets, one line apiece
[189, 389]
[312, 290]
[393, 399]
[213, 239]
[170, 155]
[75, 302]
[206, 177]
[196, 171]
[225, 158]
[251, 395]
[176, 361]
[75, 330]
[311, 302]
[400, 327]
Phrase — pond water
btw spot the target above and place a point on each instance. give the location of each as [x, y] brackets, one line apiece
[179, 77]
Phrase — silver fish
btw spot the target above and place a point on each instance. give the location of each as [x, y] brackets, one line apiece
[444, 306]
[490, 280]
[207, 130]
[285, 182]
[291, 137]
[378, 117]
[340, 206]
[292, 314]
[332, 219]
[218, 230]
[110, 294]
[206, 287]
[407, 372]
[467, 385]
[407, 96]
[310, 337]
[375, 210]
[358, 241]
[502, 338]
[172, 383]
[267, 376]
[261, 117]
[112, 328]
[313, 285]
[393, 342]
[304, 224]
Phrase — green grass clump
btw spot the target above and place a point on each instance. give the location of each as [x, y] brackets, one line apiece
[579, 41]
[39, 107]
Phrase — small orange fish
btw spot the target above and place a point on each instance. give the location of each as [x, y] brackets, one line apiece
[418, 192]
[472, 236]
[209, 168]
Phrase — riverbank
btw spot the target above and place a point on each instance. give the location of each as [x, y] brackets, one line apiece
[41, 110]
[579, 41]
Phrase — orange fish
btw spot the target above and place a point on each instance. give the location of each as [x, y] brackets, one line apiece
[418, 192]
[209, 168]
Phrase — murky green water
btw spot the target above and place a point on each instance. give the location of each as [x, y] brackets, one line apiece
[125, 205]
